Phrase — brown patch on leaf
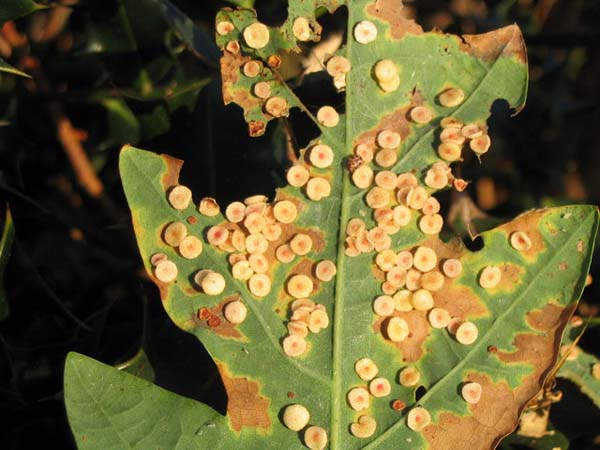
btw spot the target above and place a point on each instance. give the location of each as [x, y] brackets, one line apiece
[171, 177]
[411, 347]
[390, 11]
[511, 277]
[528, 223]
[459, 301]
[230, 71]
[498, 411]
[223, 327]
[245, 407]
[563, 266]
[506, 42]
[256, 128]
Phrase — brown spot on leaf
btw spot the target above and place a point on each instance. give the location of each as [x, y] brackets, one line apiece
[528, 223]
[505, 42]
[256, 128]
[192, 220]
[459, 301]
[580, 246]
[171, 177]
[213, 319]
[390, 11]
[562, 266]
[230, 71]
[511, 275]
[245, 407]
[411, 347]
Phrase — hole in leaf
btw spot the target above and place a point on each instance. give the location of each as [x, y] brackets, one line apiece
[420, 392]
[273, 14]
[473, 245]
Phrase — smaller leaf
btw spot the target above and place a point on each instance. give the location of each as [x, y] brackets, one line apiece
[578, 369]
[123, 126]
[139, 366]
[8, 236]
[13, 9]
[5, 67]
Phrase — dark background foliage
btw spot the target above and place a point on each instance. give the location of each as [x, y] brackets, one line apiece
[111, 72]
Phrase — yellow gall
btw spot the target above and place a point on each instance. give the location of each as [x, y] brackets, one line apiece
[404, 260]
[259, 285]
[294, 345]
[315, 438]
[386, 157]
[365, 152]
[301, 244]
[355, 227]
[471, 131]
[362, 177]
[421, 115]
[338, 65]
[241, 270]
[436, 179]
[258, 263]
[413, 280]
[236, 257]
[318, 188]
[272, 232]
[190, 247]
[471, 392]
[385, 71]
[251, 69]
[165, 271]
[301, 29]
[596, 371]
[459, 184]
[388, 139]
[385, 244]
[359, 399]
[382, 215]
[284, 254]
[402, 215]
[217, 235]
[397, 329]
[364, 428]
[213, 283]
[158, 257]
[396, 277]
[199, 276]
[407, 179]
[295, 417]
[390, 86]
[256, 243]
[255, 222]
[299, 286]
[409, 377]
[570, 352]
[450, 151]
[366, 369]
[233, 47]
[416, 197]
[422, 300]
[452, 135]
[321, 156]
[365, 32]
[418, 418]
[301, 314]
[325, 270]
[386, 179]
[363, 243]
[432, 281]
[174, 233]
[481, 144]
[285, 211]
[452, 268]
[224, 27]
[451, 122]
[328, 116]
[258, 199]
[520, 241]
[303, 303]
[235, 312]
[238, 240]
[297, 176]
[451, 98]
[386, 260]
[438, 318]
[180, 197]
[431, 206]
[378, 197]
[425, 259]
[277, 107]
[376, 234]
[453, 325]
[490, 277]
[380, 387]
[256, 35]
[431, 224]
[209, 207]
[262, 89]
[298, 328]
[467, 333]
[235, 212]
[318, 320]
[402, 301]
[384, 305]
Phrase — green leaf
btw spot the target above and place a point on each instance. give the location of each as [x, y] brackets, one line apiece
[578, 369]
[108, 408]
[122, 123]
[139, 365]
[519, 321]
[13, 9]
[8, 237]
[5, 67]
